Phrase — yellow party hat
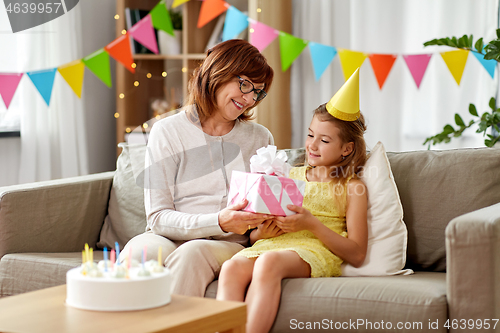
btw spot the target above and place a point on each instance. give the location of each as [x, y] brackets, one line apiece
[344, 105]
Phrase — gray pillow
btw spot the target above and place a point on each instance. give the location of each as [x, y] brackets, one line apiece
[437, 186]
[126, 214]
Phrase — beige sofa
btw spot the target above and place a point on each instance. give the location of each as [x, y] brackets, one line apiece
[451, 202]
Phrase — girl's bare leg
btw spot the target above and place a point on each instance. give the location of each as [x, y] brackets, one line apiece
[234, 277]
[264, 293]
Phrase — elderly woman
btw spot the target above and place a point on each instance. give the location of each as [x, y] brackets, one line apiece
[189, 161]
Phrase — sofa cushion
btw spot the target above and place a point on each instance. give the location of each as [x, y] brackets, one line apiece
[437, 186]
[387, 234]
[126, 216]
[417, 299]
[24, 272]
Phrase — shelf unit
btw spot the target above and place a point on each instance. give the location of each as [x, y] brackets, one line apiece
[133, 107]
[133, 110]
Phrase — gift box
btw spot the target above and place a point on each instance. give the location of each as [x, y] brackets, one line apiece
[267, 188]
[266, 194]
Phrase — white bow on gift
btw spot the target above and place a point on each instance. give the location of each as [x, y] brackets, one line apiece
[270, 162]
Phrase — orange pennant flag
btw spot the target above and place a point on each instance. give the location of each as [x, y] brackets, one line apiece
[382, 65]
[455, 60]
[210, 9]
[120, 50]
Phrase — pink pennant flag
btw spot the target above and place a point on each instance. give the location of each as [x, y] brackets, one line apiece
[417, 64]
[261, 35]
[144, 33]
[8, 86]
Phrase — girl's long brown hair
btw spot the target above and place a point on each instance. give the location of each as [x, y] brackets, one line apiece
[222, 64]
[350, 131]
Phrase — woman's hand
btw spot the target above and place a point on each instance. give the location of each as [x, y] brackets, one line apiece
[303, 220]
[231, 219]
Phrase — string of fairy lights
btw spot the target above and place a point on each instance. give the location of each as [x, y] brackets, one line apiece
[148, 75]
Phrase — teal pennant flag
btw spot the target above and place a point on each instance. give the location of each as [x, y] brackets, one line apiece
[44, 82]
[321, 56]
[489, 65]
[234, 23]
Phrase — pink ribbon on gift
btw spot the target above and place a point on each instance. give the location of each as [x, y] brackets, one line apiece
[240, 189]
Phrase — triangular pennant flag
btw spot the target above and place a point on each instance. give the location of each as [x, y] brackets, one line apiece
[489, 65]
[120, 50]
[382, 65]
[322, 56]
[44, 81]
[210, 9]
[350, 61]
[455, 60]
[290, 48]
[178, 3]
[261, 35]
[98, 63]
[8, 86]
[417, 64]
[234, 23]
[144, 33]
[161, 18]
[73, 73]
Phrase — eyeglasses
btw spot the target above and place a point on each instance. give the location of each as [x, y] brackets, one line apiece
[247, 87]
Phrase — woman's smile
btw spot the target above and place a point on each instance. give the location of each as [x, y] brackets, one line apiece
[238, 105]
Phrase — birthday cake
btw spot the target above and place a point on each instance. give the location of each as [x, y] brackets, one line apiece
[110, 286]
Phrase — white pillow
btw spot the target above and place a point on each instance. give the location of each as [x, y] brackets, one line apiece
[387, 234]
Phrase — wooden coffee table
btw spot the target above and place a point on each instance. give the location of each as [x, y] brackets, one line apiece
[45, 311]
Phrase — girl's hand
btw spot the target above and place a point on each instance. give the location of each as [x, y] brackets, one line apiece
[231, 219]
[303, 220]
[268, 229]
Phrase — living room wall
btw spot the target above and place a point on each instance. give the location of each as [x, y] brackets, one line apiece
[98, 29]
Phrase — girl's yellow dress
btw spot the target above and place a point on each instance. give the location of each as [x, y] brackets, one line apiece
[318, 199]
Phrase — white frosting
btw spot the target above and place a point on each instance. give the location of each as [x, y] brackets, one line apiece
[118, 289]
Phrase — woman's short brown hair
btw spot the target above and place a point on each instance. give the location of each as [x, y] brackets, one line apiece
[222, 64]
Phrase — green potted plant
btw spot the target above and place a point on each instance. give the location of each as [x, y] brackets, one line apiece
[486, 121]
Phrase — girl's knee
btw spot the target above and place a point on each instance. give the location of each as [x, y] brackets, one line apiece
[267, 266]
[236, 268]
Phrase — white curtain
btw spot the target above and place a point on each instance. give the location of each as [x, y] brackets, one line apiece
[53, 140]
[399, 115]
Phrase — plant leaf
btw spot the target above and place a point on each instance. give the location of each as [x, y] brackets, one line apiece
[479, 45]
[448, 129]
[498, 33]
[473, 110]
[462, 41]
[458, 120]
[493, 103]
[482, 127]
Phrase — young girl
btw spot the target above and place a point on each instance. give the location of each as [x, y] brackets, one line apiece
[329, 228]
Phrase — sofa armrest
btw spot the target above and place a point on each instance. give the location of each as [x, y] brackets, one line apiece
[53, 216]
[473, 265]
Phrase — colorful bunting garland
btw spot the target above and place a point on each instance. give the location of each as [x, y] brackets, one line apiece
[260, 35]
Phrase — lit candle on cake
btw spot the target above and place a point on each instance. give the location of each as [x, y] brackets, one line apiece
[117, 246]
[143, 271]
[113, 254]
[105, 259]
[86, 252]
[158, 268]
